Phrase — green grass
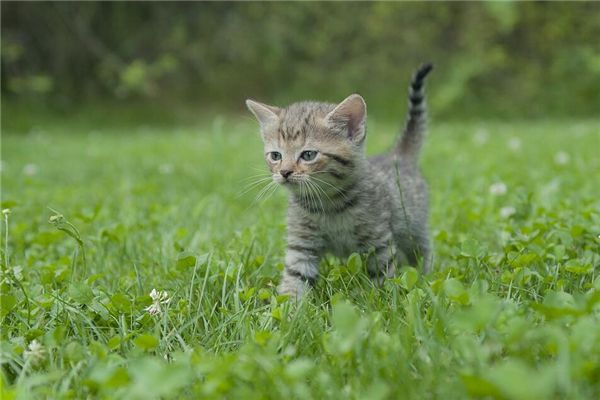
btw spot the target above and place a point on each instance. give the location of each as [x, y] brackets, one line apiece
[510, 312]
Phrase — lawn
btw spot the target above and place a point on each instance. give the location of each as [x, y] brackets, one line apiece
[101, 217]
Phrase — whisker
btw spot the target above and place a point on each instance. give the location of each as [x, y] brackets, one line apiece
[258, 180]
[306, 196]
[252, 186]
[264, 190]
[319, 189]
[324, 193]
[268, 196]
[301, 191]
[338, 190]
[255, 176]
[260, 193]
[311, 185]
[269, 189]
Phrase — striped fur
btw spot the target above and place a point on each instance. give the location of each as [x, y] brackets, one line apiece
[412, 137]
[341, 202]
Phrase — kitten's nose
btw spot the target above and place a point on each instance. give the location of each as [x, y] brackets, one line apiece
[286, 172]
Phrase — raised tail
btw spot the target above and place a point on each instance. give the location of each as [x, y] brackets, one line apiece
[409, 145]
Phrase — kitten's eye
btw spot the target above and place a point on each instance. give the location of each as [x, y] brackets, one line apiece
[275, 156]
[308, 155]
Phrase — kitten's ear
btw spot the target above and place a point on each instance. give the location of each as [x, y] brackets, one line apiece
[264, 114]
[351, 116]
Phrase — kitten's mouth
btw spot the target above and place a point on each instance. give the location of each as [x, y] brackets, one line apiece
[291, 181]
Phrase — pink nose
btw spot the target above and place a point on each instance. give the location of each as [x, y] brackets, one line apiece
[285, 173]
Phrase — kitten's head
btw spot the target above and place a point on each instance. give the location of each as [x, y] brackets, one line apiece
[311, 141]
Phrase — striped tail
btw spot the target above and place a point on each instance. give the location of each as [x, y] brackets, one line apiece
[410, 143]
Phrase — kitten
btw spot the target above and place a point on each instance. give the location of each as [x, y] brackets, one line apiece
[341, 202]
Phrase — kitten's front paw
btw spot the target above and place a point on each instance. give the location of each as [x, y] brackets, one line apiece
[293, 286]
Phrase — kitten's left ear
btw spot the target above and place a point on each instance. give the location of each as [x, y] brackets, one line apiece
[351, 116]
[264, 114]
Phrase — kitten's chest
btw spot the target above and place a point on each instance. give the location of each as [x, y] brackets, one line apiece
[339, 235]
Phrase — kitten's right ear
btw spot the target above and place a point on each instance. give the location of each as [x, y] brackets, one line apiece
[351, 117]
[264, 114]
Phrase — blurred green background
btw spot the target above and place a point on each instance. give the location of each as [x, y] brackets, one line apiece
[166, 61]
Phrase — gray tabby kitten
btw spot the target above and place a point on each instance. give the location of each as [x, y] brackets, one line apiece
[341, 202]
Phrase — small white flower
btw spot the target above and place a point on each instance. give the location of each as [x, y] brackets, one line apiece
[550, 188]
[514, 144]
[158, 298]
[165, 169]
[481, 137]
[507, 212]
[30, 169]
[17, 271]
[498, 189]
[562, 158]
[55, 218]
[153, 309]
[6, 211]
[505, 236]
[35, 352]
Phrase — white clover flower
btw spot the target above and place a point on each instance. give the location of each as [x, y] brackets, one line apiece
[35, 352]
[481, 137]
[507, 212]
[562, 158]
[498, 189]
[55, 218]
[166, 169]
[17, 271]
[30, 169]
[158, 298]
[514, 144]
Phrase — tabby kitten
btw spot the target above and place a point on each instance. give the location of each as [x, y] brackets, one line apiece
[341, 202]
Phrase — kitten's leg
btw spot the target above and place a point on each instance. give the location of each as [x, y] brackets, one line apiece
[380, 263]
[419, 248]
[301, 270]
[427, 255]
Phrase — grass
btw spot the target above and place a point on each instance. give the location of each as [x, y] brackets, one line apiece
[100, 218]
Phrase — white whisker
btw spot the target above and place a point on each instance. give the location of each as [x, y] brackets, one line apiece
[322, 191]
[338, 190]
[266, 174]
[264, 190]
[313, 190]
[253, 185]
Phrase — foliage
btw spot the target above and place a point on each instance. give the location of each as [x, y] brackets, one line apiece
[511, 311]
[496, 58]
